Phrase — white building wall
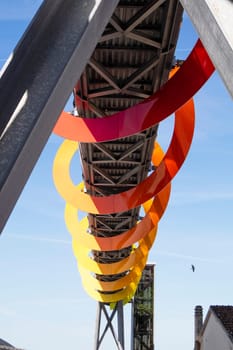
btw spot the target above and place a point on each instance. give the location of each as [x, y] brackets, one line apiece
[215, 337]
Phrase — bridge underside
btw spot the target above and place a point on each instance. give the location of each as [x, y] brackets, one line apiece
[130, 62]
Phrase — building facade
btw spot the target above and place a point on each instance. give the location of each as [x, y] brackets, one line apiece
[216, 332]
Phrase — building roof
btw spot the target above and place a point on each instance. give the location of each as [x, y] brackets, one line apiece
[225, 315]
[3, 344]
[6, 346]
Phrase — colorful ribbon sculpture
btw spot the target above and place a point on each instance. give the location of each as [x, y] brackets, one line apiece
[152, 193]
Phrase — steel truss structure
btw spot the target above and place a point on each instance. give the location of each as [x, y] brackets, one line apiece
[143, 312]
[142, 305]
[131, 61]
[116, 312]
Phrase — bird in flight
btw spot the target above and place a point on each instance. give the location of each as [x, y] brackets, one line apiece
[193, 268]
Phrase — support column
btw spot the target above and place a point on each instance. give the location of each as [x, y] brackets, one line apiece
[97, 326]
[143, 312]
[37, 81]
[118, 336]
[213, 22]
[120, 322]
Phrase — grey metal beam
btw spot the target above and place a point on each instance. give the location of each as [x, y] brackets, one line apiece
[104, 149]
[103, 174]
[120, 323]
[118, 338]
[130, 173]
[140, 72]
[213, 22]
[109, 324]
[37, 81]
[99, 112]
[143, 312]
[101, 222]
[142, 14]
[116, 23]
[137, 92]
[97, 327]
[131, 149]
[134, 35]
[122, 224]
[101, 92]
[110, 36]
[100, 69]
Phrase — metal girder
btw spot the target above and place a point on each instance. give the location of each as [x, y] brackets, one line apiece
[37, 81]
[147, 66]
[119, 336]
[213, 22]
[143, 312]
[142, 14]
[144, 39]
[104, 174]
[131, 61]
[99, 68]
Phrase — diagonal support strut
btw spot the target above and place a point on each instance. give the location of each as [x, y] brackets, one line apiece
[36, 83]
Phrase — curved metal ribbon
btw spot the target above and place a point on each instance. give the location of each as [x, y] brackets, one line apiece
[154, 211]
[195, 70]
[152, 185]
[98, 291]
[174, 156]
[153, 193]
[144, 232]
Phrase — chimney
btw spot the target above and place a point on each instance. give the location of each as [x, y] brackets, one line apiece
[198, 318]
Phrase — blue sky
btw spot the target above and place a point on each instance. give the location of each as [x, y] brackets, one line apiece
[42, 303]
